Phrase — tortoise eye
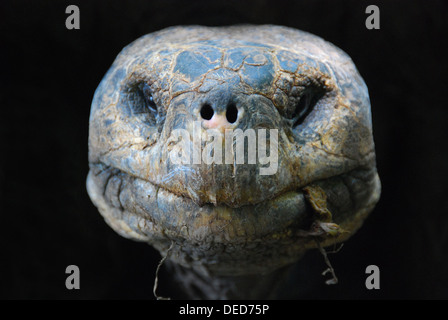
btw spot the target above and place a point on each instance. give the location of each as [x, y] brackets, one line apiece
[137, 96]
[148, 98]
[306, 103]
[301, 109]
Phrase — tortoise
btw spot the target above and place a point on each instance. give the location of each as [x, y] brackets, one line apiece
[226, 228]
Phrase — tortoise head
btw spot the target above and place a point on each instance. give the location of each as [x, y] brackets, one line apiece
[237, 146]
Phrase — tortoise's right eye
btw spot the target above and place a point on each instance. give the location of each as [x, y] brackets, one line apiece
[148, 98]
[139, 99]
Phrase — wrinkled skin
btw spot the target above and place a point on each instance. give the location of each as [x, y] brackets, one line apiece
[229, 219]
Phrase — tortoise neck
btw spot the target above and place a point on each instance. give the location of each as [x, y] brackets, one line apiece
[198, 286]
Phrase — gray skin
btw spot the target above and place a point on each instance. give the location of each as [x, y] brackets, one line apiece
[228, 220]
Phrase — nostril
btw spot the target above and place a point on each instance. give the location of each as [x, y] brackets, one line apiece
[232, 113]
[207, 112]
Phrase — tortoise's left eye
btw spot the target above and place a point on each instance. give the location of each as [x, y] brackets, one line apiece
[301, 106]
[304, 106]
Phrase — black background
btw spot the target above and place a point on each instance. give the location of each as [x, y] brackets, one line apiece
[48, 77]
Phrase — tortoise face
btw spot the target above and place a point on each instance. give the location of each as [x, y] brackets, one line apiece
[207, 138]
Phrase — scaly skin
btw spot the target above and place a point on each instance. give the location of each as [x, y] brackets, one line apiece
[229, 219]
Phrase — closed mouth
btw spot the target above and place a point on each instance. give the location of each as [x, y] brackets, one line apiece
[286, 213]
[171, 211]
[220, 236]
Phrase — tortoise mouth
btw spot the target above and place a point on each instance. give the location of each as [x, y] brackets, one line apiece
[227, 239]
[148, 209]
[136, 198]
